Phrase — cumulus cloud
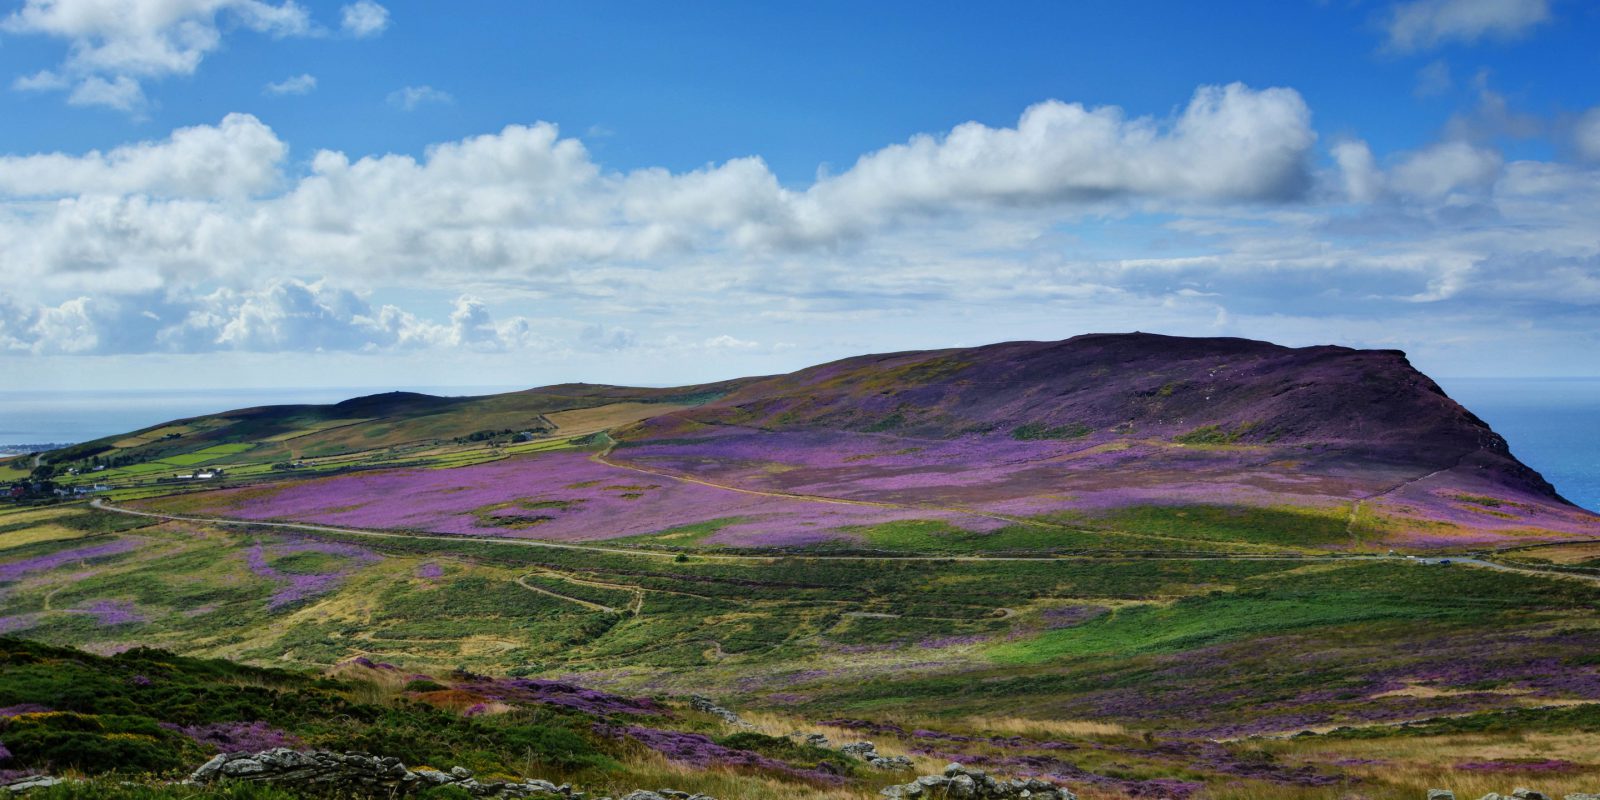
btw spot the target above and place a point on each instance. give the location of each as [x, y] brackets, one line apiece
[1425, 24]
[1230, 143]
[115, 45]
[363, 19]
[410, 98]
[239, 157]
[298, 84]
[529, 201]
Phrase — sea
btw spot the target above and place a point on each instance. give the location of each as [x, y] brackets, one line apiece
[1552, 424]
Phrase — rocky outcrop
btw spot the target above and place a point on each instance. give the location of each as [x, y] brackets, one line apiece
[662, 794]
[705, 705]
[963, 783]
[860, 751]
[1520, 793]
[361, 774]
[868, 752]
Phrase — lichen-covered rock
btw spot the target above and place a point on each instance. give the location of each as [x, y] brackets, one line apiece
[360, 774]
[1441, 794]
[974, 784]
[868, 752]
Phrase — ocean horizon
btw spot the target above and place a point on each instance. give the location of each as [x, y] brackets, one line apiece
[1551, 424]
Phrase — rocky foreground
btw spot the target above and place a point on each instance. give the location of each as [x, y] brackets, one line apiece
[326, 773]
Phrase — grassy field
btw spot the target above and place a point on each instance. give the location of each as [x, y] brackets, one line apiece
[1169, 653]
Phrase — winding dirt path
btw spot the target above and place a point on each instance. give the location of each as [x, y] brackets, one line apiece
[1466, 561]
[523, 582]
[101, 504]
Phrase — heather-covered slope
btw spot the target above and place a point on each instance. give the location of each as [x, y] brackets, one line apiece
[1357, 444]
[1371, 403]
[1100, 442]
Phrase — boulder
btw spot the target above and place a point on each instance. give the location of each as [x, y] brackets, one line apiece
[1441, 794]
[1524, 793]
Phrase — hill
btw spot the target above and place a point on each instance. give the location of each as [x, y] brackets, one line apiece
[1099, 442]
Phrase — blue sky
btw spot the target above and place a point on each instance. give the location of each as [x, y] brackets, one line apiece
[259, 192]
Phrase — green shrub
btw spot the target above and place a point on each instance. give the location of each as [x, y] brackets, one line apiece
[1036, 431]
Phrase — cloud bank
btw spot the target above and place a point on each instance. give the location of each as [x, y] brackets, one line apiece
[1229, 215]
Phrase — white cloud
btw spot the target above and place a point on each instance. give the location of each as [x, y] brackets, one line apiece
[410, 98]
[298, 84]
[1425, 24]
[1444, 168]
[121, 93]
[364, 18]
[1363, 181]
[114, 45]
[1230, 143]
[42, 81]
[239, 157]
[1586, 134]
[726, 342]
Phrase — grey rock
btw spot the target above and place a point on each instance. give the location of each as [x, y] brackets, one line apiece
[866, 751]
[1581, 796]
[1441, 794]
[361, 774]
[1524, 793]
[969, 783]
[35, 782]
[962, 786]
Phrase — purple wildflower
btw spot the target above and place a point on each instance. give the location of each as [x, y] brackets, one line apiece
[700, 751]
[236, 737]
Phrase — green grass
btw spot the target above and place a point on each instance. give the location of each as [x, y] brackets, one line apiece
[1283, 526]
[1214, 434]
[1349, 594]
[1034, 431]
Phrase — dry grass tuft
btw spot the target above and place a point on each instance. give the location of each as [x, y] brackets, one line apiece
[1042, 728]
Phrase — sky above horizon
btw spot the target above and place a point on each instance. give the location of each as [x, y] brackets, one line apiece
[236, 193]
